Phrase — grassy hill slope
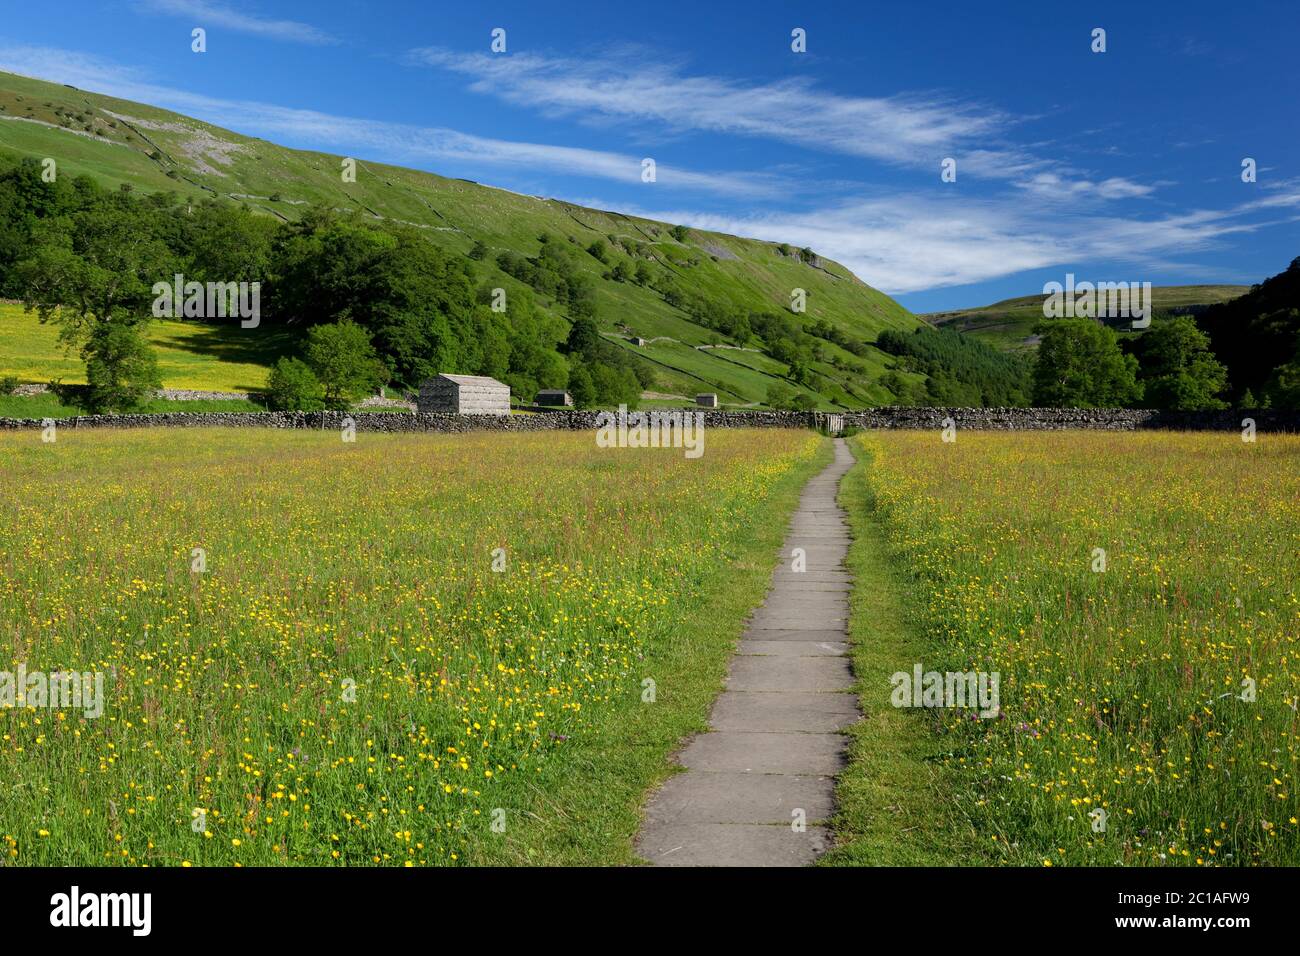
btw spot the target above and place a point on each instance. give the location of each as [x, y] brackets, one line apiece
[1008, 325]
[154, 150]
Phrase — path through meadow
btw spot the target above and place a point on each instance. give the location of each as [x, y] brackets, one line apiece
[759, 785]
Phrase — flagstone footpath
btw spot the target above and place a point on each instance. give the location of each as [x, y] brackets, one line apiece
[759, 785]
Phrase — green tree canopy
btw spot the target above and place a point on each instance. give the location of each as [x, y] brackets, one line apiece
[344, 362]
[292, 386]
[96, 266]
[1284, 386]
[584, 339]
[121, 368]
[414, 300]
[582, 388]
[1177, 369]
[1080, 365]
[91, 271]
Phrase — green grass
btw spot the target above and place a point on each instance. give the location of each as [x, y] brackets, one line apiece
[1009, 324]
[748, 274]
[191, 355]
[1154, 680]
[347, 680]
[894, 799]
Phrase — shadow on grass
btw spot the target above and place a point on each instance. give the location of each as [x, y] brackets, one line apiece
[229, 342]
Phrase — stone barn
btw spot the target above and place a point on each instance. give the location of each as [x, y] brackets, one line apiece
[707, 400]
[464, 395]
[554, 398]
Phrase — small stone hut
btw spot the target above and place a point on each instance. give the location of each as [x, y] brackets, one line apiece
[464, 395]
[554, 397]
[707, 400]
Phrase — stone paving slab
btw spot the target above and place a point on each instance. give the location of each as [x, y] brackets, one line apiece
[741, 798]
[815, 603]
[796, 753]
[774, 742]
[794, 648]
[789, 672]
[790, 712]
[785, 569]
[834, 605]
[830, 586]
[820, 620]
[786, 579]
[797, 634]
[811, 580]
[817, 557]
[731, 844]
[798, 598]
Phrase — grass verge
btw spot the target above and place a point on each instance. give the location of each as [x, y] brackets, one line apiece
[890, 803]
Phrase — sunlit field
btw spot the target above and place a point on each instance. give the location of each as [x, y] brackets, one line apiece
[190, 354]
[341, 676]
[1161, 690]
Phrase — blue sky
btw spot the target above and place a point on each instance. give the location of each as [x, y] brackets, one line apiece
[1116, 166]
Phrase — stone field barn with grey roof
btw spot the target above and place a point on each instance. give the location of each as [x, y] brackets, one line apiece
[464, 395]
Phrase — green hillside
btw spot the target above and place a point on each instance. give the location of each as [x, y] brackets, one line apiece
[156, 151]
[1008, 325]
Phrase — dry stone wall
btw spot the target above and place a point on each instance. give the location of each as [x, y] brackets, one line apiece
[1054, 419]
[997, 419]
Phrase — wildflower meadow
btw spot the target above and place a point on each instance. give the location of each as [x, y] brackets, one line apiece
[1139, 596]
[405, 650]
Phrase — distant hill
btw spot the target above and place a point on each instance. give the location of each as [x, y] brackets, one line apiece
[154, 150]
[1008, 325]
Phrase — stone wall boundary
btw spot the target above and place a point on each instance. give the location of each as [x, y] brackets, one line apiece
[894, 417]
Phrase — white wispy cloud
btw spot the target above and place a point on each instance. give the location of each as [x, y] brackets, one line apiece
[207, 14]
[908, 244]
[902, 128]
[916, 130]
[391, 142]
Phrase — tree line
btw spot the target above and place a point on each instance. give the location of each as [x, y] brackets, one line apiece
[1175, 365]
[1243, 353]
[375, 302]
